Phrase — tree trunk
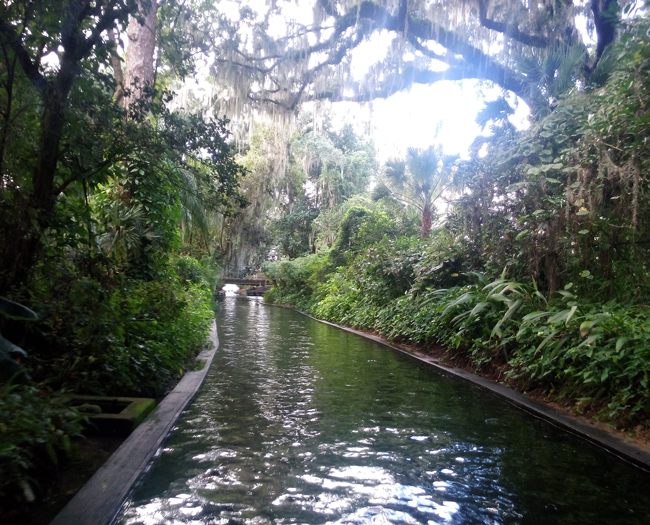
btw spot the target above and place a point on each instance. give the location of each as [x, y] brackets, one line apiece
[139, 78]
[116, 62]
[605, 25]
[426, 221]
[21, 248]
[10, 66]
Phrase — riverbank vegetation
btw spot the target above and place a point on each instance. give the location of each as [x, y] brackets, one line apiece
[146, 150]
[538, 271]
[107, 198]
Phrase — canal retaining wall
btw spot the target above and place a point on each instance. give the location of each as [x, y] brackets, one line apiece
[100, 500]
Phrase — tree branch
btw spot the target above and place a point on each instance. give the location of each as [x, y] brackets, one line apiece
[479, 64]
[29, 67]
[410, 75]
[510, 30]
[72, 178]
[465, 58]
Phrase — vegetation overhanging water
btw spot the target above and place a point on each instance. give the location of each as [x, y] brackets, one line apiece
[125, 192]
[299, 422]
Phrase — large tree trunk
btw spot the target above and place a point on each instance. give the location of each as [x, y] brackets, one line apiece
[54, 116]
[605, 25]
[140, 71]
[81, 29]
[22, 246]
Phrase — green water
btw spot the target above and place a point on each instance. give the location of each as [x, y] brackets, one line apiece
[299, 422]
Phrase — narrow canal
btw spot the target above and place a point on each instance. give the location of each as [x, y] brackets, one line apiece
[299, 422]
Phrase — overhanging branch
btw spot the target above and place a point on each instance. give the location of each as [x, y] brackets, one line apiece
[29, 67]
[509, 29]
[464, 58]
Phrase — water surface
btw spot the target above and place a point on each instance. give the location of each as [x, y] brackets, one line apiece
[299, 422]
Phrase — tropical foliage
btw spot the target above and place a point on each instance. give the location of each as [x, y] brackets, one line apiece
[419, 181]
[121, 202]
[101, 205]
[539, 275]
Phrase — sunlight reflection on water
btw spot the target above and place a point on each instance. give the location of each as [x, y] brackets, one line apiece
[299, 423]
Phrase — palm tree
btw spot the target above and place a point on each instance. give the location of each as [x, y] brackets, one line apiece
[419, 180]
[124, 229]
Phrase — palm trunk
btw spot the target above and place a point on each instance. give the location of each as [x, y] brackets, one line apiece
[426, 221]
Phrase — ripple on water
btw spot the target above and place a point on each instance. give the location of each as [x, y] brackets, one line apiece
[299, 423]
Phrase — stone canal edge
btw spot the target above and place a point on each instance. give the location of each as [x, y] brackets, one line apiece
[614, 443]
[100, 500]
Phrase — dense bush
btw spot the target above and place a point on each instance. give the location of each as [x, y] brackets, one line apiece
[109, 334]
[359, 229]
[35, 429]
[592, 353]
[296, 282]
[100, 332]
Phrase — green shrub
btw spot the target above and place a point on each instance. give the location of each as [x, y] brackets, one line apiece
[591, 353]
[359, 229]
[35, 429]
[189, 270]
[594, 352]
[296, 282]
[108, 334]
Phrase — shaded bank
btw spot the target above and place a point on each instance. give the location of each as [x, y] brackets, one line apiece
[100, 499]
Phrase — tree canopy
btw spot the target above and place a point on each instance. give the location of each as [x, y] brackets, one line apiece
[512, 44]
[62, 132]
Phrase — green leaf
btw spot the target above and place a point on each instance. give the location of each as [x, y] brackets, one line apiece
[582, 232]
[479, 308]
[65, 442]
[460, 317]
[536, 315]
[570, 315]
[513, 308]
[591, 339]
[564, 315]
[497, 331]
[540, 295]
[545, 341]
[558, 346]
[478, 276]
[620, 342]
[466, 297]
[50, 452]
